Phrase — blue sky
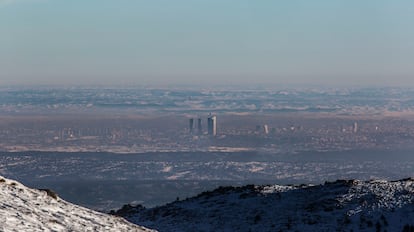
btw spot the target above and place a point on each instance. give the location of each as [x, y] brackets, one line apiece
[124, 42]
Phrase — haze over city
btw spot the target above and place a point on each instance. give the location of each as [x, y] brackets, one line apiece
[122, 43]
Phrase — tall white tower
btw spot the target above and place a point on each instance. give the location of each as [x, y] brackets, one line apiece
[266, 129]
[355, 127]
[212, 125]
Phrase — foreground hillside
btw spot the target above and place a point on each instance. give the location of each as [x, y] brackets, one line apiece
[337, 206]
[25, 209]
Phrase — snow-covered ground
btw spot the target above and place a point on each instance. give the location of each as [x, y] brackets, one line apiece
[343, 205]
[26, 209]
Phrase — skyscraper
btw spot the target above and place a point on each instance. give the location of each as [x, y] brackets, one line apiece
[266, 129]
[212, 125]
[191, 126]
[199, 127]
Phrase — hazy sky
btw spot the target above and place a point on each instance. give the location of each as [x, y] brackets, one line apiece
[367, 42]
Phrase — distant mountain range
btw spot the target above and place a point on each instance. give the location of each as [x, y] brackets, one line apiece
[343, 205]
[342, 101]
[26, 209]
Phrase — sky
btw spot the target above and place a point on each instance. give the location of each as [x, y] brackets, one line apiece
[199, 42]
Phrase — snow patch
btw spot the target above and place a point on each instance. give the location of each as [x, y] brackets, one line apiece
[26, 209]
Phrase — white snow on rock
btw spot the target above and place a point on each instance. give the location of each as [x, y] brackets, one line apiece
[26, 209]
[343, 205]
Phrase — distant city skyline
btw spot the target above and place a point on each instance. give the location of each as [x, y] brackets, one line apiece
[216, 42]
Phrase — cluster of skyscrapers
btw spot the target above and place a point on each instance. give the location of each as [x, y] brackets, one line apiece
[211, 125]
